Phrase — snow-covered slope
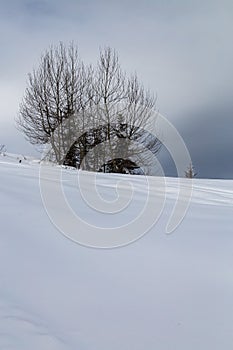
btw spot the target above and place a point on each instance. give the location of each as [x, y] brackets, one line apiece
[162, 292]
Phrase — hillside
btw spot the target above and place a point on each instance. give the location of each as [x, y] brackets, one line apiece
[161, 292]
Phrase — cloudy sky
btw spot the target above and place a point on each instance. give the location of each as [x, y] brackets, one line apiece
[182, 50]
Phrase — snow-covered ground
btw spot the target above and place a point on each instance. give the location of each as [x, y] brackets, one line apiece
[162, 292]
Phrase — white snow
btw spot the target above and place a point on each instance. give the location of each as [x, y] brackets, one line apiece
[162, 292]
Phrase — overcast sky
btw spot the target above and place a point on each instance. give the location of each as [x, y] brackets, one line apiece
[182, 50]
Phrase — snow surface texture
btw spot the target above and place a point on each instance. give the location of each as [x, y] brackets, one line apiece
[163, 292]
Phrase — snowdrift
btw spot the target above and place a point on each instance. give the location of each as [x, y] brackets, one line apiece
[161, 292]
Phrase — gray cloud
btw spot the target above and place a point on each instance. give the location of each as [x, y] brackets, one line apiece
[209, 138]
[180, 49]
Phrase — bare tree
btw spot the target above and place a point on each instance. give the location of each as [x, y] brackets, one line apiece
[55, 91]
[2, 149]
[76, 108]
[190, 172]
[123, 110]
